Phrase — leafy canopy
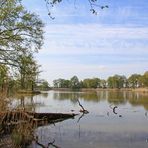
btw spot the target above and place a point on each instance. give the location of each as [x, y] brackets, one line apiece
[20, 31]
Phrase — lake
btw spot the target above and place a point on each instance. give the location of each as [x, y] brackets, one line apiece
[125, 126]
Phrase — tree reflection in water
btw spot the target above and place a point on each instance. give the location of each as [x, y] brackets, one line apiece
[113, 97]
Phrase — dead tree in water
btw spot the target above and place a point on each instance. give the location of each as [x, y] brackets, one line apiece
[84, 111]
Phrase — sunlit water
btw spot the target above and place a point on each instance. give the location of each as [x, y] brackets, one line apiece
[101, 128]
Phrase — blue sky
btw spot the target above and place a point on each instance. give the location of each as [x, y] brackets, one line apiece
[79, 43]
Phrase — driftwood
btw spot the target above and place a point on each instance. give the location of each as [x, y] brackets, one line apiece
[8, 120]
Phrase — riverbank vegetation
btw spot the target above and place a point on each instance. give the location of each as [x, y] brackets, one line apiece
[21, 37]
[116, 81]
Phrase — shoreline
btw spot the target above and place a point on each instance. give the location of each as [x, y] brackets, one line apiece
[34, 92]
[144, 90]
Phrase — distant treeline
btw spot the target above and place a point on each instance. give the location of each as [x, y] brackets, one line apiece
[116, 81]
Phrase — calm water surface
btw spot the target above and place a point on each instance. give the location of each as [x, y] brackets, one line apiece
[101, 128]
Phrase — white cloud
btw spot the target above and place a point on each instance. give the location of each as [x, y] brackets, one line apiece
[113, 35]
[93, 38]
[95, 30]
[69, 40]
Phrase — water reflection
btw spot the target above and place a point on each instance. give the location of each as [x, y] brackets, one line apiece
[101, 127]
[113, 97]
[26, 102]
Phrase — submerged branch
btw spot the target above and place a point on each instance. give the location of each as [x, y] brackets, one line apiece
[49, 144]
[82, 110]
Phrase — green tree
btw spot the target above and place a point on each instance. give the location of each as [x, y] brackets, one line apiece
[95, 82]
[74, 82]
[44, 85]
[144, 79]
[91, 83]
[55, 83]
[61, 83]
[66, 84]
[103, 83]
[110, 82]
[134, 81]
[20, 31]
[28, 71]
[86, 83]
[116, 81]
[21, 34]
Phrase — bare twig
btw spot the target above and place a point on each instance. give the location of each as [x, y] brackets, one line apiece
[49, 144]
[92, 4]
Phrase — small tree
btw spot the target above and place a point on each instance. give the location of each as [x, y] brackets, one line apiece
[28, 71]
[74, 82]
[134, 80]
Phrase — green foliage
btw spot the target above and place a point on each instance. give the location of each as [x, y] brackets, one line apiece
[28, 71]
[20, 31]
[91, 83]
[74, 82]
[21, 34]
[103, 83]
[44, 85]
[144, 79]
[135, 80]
[61, 83]
[116, 81]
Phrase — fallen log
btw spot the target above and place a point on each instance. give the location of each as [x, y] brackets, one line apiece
[9, 119]
[47, 118]
[51, 116]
